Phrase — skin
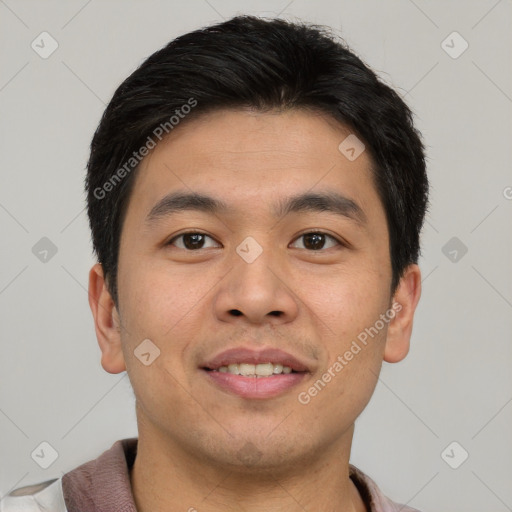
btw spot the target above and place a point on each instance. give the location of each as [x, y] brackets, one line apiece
[203, 448]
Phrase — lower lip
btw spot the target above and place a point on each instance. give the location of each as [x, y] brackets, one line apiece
[255, 387]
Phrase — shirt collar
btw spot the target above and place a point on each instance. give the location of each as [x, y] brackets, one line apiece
[104, 484]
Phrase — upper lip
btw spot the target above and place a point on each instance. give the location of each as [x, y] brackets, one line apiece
[251, 356]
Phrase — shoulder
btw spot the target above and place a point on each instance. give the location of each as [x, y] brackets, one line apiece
[45, 496]
[373, 496]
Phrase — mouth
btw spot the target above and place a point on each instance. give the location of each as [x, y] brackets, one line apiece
[254, 374]
[254, 370]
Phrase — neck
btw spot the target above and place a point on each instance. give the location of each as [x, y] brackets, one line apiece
[167, 477]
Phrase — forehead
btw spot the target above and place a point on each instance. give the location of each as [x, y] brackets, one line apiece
[251, 156]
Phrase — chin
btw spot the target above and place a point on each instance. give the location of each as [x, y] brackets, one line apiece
[261, 455]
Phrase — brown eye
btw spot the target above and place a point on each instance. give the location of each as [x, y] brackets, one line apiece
[316, 240]
[191, 241]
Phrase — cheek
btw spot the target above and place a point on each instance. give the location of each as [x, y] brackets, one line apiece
[348, 300]
[354, 354]
[157, 301]
[160, 306]
[350, 304]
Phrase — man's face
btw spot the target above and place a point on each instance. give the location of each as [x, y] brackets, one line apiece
[247, 278]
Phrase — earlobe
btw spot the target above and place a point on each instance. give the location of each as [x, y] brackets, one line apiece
[106, 322]
[404, 304]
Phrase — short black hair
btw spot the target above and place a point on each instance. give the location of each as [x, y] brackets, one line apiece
[261, 64]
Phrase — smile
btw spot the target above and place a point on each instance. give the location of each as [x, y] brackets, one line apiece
[255, 370]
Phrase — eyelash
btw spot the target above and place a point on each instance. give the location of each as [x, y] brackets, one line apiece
[315, 232]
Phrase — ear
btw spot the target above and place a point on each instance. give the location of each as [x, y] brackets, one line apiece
[106, 322]
[404, 304]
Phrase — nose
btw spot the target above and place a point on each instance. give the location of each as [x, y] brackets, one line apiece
[257, 291]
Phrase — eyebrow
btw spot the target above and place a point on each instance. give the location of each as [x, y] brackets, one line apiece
[331, 202]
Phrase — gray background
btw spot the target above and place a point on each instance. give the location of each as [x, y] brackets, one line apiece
[456, 383]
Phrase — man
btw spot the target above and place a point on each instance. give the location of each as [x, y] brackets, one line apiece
[255, 196]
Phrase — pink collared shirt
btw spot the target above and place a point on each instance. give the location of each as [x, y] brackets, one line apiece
[103, 485]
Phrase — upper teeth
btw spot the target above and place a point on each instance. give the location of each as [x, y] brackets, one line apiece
[251, 370]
